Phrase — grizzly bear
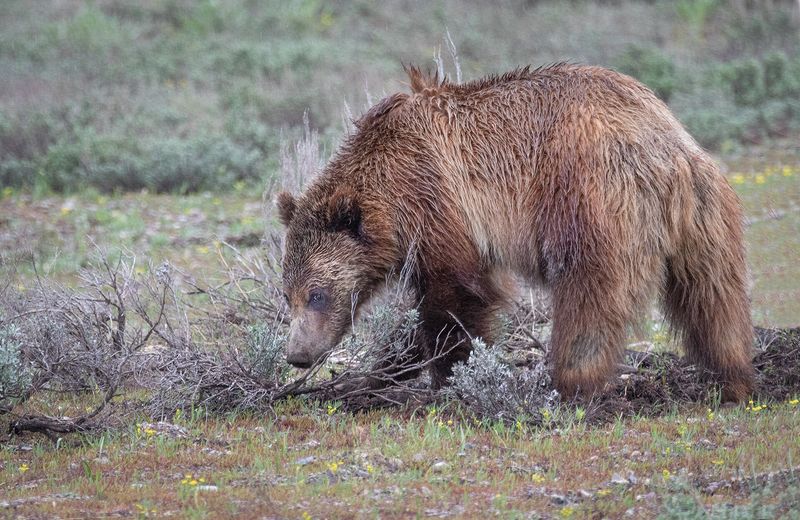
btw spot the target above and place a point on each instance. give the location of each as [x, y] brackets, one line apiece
[576, 178]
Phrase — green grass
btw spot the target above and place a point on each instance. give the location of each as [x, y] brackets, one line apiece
[304, 461]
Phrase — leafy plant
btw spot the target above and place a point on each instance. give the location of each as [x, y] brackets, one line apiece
[651, 67]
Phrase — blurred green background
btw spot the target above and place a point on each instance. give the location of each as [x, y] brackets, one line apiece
[183, 96]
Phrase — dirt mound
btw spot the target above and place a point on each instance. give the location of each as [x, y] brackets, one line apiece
[778, 363]
[655, 382]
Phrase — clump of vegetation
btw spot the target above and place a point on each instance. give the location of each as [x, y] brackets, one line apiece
[14, 376]
[492, 388]
[651, 67]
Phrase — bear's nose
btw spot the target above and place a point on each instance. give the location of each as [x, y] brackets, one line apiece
[298, 359]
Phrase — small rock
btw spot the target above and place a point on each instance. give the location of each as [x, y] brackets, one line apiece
[207, 487]
[101, 460]
[418, 457]
[646, 497]
[558, 500]
[439, 466]
[706, 444]
[394, 464]
[305, 461]
[585, 494]
[619, 480]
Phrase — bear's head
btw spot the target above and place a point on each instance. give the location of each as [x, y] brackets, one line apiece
[329, 268]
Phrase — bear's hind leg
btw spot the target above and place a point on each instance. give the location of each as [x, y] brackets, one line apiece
[712, 316]
[705, 294]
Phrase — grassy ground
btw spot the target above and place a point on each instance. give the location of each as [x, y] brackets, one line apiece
[310, 460]
[305, 462]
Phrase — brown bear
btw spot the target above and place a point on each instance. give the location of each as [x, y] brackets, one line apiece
[574, 177]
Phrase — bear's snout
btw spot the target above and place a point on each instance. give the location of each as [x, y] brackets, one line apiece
[308, 339]
[299, 359]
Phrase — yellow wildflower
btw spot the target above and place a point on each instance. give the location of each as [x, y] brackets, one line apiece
[760, 179]
[537, 478]
[737, 178]
[718, 462]
[787, 171]
[666, 474]
[566, 512]
[326, 19]
[306, 516]
[23, 468]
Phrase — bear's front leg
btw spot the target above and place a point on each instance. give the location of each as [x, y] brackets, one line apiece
[451, 316]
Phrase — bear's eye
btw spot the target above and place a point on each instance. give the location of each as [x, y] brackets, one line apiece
[317, 299]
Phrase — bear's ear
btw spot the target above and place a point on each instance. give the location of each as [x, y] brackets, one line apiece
[286, 206]
[344, 213]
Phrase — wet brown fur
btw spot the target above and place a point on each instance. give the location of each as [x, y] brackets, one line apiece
[575, 177]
